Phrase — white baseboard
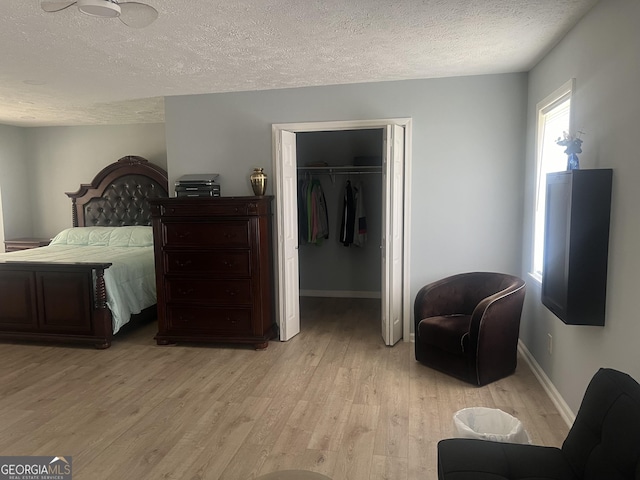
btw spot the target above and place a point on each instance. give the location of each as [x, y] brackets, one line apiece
[565, 412]
[339, 294]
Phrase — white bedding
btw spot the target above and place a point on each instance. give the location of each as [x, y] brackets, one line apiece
[130, 282]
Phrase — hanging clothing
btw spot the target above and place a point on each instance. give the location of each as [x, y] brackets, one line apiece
[348, 216]
[313, 217]
[321, 213]
[353, 228]
[360, 232]
[303, 212]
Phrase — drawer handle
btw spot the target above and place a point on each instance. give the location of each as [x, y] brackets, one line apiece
[229, 236]
[184, 234]
[185, 291]
[232, 293]
[231, 321]
[183, 263]
[227, 264]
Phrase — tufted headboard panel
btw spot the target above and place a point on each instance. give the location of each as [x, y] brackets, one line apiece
[118, 195]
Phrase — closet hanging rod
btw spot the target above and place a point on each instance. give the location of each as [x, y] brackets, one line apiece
[343, 170]
[350, 173]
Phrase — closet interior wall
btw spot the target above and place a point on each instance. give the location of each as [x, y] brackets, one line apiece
[330, 268]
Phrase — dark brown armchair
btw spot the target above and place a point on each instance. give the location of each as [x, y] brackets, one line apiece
[467, 325]
[603, 443]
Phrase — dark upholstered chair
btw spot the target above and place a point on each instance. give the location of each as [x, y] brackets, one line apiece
[603, 443]
[467, 325]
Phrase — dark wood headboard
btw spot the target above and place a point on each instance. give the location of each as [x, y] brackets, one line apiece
[118, 195]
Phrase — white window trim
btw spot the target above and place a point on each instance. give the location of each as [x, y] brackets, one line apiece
[565, 91]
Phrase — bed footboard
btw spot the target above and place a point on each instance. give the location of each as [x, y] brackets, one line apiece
[55, 302]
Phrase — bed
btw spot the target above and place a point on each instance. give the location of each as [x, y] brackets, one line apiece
[96, 277]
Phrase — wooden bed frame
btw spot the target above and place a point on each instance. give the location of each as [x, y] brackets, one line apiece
[61, 301]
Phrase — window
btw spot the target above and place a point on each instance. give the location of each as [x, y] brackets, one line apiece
[554, 115]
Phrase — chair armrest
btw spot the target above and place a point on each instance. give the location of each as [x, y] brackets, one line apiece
[500, 307]
[496, 320]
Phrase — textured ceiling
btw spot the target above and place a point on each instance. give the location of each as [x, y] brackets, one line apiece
[66, 68]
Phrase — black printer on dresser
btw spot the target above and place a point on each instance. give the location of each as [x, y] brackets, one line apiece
[198, 185]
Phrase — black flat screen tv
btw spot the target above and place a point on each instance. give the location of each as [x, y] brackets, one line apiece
[576, 245]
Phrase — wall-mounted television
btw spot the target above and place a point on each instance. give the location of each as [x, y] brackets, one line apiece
[576, 245]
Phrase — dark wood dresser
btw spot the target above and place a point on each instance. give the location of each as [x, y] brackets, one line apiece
[214, 269]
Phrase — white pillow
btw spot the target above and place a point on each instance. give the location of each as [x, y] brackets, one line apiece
[131, 236]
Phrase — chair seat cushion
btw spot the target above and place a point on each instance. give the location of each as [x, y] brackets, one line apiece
[444, 332]
[471, 459]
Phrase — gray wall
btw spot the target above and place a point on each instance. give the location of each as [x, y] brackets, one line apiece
[468, 160]
[61, 158]
[601, 53]
[15, 218]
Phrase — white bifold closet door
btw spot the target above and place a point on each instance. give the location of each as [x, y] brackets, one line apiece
[392, 241]
[287, 200]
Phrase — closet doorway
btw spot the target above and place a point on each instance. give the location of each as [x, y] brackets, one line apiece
[394, 253]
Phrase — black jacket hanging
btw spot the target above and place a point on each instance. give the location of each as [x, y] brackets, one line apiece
[348, 216]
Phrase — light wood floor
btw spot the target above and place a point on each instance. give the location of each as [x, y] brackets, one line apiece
[334, 400]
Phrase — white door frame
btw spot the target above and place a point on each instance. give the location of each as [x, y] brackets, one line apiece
[348, 125]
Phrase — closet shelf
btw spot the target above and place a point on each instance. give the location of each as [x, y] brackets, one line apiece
[343, 170]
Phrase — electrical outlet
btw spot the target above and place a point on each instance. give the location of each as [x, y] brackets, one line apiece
[549, 343]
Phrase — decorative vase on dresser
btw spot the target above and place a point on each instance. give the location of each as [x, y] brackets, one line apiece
[258, 181]
[214, 270]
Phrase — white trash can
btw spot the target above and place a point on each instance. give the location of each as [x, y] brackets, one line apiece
[489, 424]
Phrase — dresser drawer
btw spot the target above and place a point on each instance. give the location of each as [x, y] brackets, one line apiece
[233, 292]
[227, 233]
[209, 320]
[221, 262]
[217, 207]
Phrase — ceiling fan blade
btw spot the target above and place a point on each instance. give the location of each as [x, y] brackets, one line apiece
[136, 14]
[55, 5]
